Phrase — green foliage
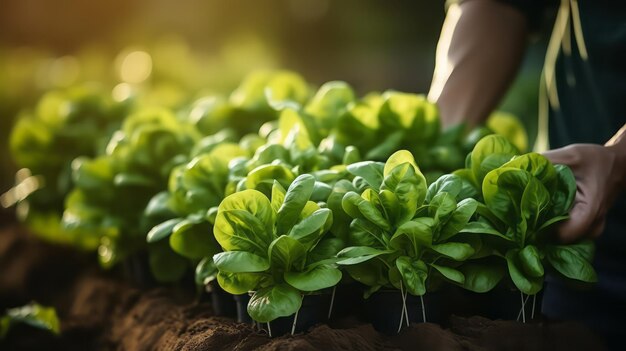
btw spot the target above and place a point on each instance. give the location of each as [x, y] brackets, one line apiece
[524, 196]
[277, 188]
[275, 246]
[398, 240]
[34, 315]
[113, 191]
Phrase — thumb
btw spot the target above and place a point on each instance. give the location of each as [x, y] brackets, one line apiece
[558, 156]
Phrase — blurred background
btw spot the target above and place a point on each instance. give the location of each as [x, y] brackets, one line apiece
[184, 49]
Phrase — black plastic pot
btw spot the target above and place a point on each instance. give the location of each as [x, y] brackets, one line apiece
[221, 301]
[506, 304]
[314, 310]
[348, 302]
[136, 270]
[502, 302]
[241, 302]
[384, 310]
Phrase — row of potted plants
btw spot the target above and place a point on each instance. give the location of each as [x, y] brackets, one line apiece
[332, 189]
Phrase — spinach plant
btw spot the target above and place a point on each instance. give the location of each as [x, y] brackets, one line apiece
[111, 192]
[64, 124]
[397, 239]
[524, 196]
[275, 247]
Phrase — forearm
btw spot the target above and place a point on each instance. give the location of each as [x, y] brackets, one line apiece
[480, 49]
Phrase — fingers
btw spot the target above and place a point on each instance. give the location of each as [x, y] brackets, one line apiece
[577, 226]
[585, 222]
[598, 227]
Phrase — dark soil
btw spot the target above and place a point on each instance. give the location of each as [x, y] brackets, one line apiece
[100, 312]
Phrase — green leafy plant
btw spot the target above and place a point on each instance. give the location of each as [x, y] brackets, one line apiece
[112, 191]
[524, 196]
[275, 247]
[195, 191]
[63, 125]
[397, 239]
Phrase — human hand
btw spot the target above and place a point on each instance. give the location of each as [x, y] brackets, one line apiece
[600, 177]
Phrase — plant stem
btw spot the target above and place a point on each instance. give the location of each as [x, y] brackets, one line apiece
[332, 301]
[423, 309]
[406, 310]
[269, 329]
[519, 315]
[523, 307]
[532, 314]
[403, 308]
[295, 321]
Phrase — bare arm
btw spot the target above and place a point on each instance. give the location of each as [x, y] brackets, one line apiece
[480, 49]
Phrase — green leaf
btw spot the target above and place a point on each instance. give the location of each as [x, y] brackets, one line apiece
[92, 173]
[484, 228]
[392, 208]
[357, 207]
[365, 233]
[330, 101]
[490, 153]
[416, 234]
[240, 262]
[297, 195]
[341, 220]
[448, 183]
[547, 224]
[132, 179]
[371, 273]
[459, 219]
[238, 283]
[263, 177]
[481, 278]
[326, 248]
[390, 144]
[309, 230]
[358, 254]
[537, 165]
[313, 279]
[517, 199]
[273, 302]
[450, 273]
[205, 272]
[585, 249]
[531, 261]
[527, 285]
[286, 252]
[33, 314]
[371, 171]
[158, 207]
[442, 206]
[163, 230]
[564, 191]
[456, 251]
[278, 196]
[535, 203]
[572, 261]
[245, 222]
[404, 179]
[166, 266]
[414, 274]
[398, 158]
[193, 240]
